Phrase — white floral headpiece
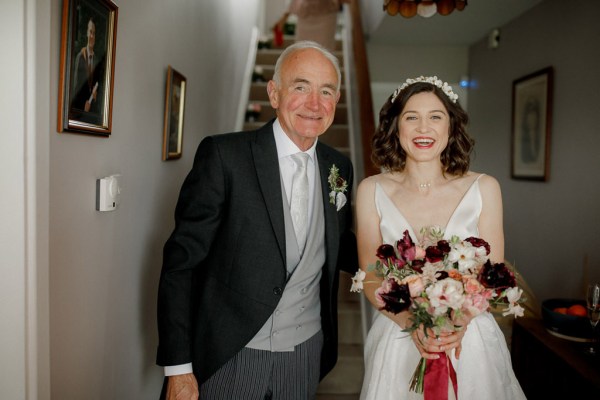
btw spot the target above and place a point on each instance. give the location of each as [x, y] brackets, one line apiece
[447, 89]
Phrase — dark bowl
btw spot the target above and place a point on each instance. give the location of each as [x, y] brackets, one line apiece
[569, 326]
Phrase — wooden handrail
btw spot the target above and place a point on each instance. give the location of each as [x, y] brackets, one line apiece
[363, 81]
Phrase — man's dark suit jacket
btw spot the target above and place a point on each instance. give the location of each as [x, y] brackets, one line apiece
[224, 266]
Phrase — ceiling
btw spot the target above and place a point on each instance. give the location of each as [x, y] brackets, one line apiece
[460, 28]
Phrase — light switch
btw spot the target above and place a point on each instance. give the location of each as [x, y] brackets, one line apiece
[108, 191]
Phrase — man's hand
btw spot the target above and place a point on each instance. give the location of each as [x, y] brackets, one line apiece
[182, 387]
[88, 103]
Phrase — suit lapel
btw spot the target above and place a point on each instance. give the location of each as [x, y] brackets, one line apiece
[331, 217]
[266, 162]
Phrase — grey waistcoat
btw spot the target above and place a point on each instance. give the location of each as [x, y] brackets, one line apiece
[298, 315]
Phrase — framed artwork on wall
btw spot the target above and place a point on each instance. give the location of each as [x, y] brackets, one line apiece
[87, 66]
[174, 110]
[531, 125]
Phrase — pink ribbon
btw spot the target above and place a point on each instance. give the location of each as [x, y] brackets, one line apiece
[435, 385]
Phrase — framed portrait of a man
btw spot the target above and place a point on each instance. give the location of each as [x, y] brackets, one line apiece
[87, 66]
[174, 111]
[531, 125]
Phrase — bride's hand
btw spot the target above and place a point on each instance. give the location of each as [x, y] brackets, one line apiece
[461, 323]
[429, 344]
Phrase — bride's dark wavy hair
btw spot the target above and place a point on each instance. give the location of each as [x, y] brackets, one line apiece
[387, 152]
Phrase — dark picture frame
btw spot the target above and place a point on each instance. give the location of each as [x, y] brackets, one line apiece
[532, 125]
[87, 66]
[174, 113]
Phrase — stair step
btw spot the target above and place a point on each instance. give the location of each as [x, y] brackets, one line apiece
[349, 324]
[269, 56]
[289, 39]
[268, 70]
[347, 375]
[346, 296]
[336, 136]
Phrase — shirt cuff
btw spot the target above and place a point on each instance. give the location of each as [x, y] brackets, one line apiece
[178, 369]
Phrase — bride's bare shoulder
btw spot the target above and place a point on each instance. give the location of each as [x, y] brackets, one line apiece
[487, 183]
[384, 179]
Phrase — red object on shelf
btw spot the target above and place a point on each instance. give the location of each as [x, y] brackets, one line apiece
[277, 36]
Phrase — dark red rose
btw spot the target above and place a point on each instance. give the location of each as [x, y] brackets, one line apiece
[417, 265]
[444, 246]
[406, 247]
[441, 275]
[437, 253]
[386, 251]
[497, 276]
[477, 242]
[433, 254]
[397, 299]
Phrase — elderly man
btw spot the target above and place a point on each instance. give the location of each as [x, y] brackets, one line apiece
[247, 299]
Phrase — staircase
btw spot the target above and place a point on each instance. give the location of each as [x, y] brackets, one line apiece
[345, 380]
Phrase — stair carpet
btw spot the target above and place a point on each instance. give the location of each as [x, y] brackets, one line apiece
[345, 380]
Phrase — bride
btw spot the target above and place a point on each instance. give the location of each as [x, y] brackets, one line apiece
[423, 148]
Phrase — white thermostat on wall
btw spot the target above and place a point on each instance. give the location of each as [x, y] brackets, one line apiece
[108, 191]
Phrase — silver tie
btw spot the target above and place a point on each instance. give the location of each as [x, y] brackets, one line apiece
[299, 199]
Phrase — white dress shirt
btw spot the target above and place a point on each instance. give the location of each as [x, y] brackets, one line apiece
[287, 166]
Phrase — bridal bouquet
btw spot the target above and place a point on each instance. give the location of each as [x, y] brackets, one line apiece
[442, 283]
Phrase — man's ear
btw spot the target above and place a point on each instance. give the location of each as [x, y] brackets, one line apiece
[273, 94]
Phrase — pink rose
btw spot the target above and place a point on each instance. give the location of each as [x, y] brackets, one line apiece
[476, 304]
[473, 286]
[415, 285]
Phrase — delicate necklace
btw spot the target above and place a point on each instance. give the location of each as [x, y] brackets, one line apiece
[425, 185]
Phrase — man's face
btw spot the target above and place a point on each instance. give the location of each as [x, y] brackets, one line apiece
[91, 35]
[306, 100]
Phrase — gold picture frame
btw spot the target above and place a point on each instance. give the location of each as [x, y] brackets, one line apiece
[87, 66]
[174, 112]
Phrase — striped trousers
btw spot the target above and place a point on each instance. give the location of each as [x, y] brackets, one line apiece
[264, 375]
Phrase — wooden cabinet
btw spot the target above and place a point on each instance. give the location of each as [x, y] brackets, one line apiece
[549, 367]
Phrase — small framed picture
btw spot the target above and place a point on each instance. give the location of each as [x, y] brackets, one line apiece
[174, 110]
[87, 66]
[531, 125]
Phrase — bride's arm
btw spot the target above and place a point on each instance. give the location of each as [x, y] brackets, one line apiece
[369, 239]
[490, 221]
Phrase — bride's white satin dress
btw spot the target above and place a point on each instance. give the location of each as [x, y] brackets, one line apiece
[484, 370]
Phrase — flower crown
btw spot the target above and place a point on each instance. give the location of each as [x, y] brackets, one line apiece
[447, 89]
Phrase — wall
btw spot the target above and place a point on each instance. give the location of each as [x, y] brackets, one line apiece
[13, 208]
[24, 32]
[551, 227]
[104, 267]
[449, 63]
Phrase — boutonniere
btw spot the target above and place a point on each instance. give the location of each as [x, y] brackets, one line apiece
[337, 187]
